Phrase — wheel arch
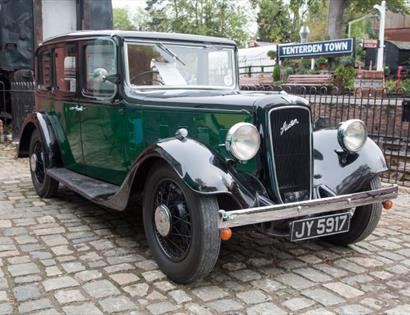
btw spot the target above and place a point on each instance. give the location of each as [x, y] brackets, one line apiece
[41, 122]
[225, 199]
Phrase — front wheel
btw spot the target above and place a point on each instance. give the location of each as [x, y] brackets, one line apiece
[181, 226]
[363, 222]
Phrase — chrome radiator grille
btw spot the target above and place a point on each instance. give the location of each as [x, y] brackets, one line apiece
[291, 136]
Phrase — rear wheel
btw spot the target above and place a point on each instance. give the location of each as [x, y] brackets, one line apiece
[44, 185]
[181, 226]
[363, 222]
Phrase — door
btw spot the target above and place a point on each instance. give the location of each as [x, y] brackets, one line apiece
[57, 95]
[103, 119]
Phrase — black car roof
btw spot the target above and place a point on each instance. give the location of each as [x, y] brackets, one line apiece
[140, 35]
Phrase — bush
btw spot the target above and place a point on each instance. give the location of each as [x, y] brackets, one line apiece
[321, 61]
[345, 76]
[271, 54]
[276, 73]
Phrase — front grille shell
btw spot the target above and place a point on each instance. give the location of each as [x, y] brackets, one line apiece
[291, 152]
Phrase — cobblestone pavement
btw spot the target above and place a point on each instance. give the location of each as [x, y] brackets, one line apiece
[69, 256]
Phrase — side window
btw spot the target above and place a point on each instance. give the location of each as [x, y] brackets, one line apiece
[100, 62]
[44, 70]
[65, 65]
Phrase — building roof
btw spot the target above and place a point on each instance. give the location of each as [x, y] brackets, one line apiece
[401, 44]
[142, 35]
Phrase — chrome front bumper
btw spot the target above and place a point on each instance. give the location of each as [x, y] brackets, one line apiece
[304, 208]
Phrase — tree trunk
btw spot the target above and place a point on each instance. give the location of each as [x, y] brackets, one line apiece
[335, 18]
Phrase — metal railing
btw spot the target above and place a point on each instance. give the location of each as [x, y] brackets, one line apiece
[387, 116]
[22, 103]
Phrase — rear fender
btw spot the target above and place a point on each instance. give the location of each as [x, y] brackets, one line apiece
[41, 122]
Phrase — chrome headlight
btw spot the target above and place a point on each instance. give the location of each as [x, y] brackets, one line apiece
[352, 135]
[243, 141]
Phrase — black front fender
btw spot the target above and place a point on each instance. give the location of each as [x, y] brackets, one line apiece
[340, 171]
[199, 168]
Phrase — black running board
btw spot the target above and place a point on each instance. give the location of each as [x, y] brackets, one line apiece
[87, 187]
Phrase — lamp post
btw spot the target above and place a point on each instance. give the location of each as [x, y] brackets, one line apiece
[304, 35]
[380, 52]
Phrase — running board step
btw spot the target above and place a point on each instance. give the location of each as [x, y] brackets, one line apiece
[87, 187]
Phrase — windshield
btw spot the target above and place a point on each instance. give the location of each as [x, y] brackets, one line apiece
[176, 65]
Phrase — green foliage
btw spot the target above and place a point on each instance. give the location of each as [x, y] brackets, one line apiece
[391, 86]
[276, 73]
[271, 54]
[274, 22]
[224, 18]
[289, 71]
[321, 61]
[345, 75]
[121, 20]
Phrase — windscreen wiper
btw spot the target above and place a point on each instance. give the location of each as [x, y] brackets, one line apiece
[170, 52]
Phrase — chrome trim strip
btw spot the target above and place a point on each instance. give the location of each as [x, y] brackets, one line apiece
[275, 178]
[304, 208]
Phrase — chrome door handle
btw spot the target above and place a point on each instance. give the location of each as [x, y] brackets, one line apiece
[76, 108]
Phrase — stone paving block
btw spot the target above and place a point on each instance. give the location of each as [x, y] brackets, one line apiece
[86, 308]
[225, 305]
[28, 307]
[6, 308]
[265, 309]
[117, 304]
[295, 281]
[23, 269]
[68, 296]
[100, 288]
[344, 290]
[179, 296]
[297, 304]
[88, 275]
[354, 309]
[323, 296]
[139, 289]
[245, 275]
[209, 293]
[124, 278]
[59, 283]
[161, 308]
[27, 292]
[252, 297]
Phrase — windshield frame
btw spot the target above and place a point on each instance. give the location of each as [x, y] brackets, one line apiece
[142, 88]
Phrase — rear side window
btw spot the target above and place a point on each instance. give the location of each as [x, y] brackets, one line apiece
[66, 70]
[45, 70]
[100, 62]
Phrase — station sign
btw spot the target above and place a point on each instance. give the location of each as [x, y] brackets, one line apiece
[370, 43]
[314, 49]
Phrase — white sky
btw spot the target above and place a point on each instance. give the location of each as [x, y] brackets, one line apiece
[128, 4]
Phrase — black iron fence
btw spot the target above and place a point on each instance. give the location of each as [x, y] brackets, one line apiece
[387, 116]
[15, 103]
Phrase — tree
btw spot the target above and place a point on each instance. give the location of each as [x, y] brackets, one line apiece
[225, 18]
[121, 20]
[337, 9]
[274, 22]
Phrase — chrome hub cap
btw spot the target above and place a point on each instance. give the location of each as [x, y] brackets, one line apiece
[163, 220]
[33, 162]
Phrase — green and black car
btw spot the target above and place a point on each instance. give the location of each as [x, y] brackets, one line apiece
[156, 122]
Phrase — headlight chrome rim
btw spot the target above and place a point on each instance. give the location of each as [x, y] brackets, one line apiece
[231, 142]
[344, 133]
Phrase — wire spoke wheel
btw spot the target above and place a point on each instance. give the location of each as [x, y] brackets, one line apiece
[175, 234]
[37, 162]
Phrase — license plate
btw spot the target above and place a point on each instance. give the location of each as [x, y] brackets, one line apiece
[319, 226]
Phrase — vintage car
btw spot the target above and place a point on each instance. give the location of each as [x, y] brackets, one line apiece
[156, 122]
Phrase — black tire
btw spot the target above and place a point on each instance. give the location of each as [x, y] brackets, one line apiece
[44, 185]
[189, 262]
[363, 222]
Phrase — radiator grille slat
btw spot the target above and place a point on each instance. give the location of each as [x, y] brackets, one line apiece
[291, 143]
